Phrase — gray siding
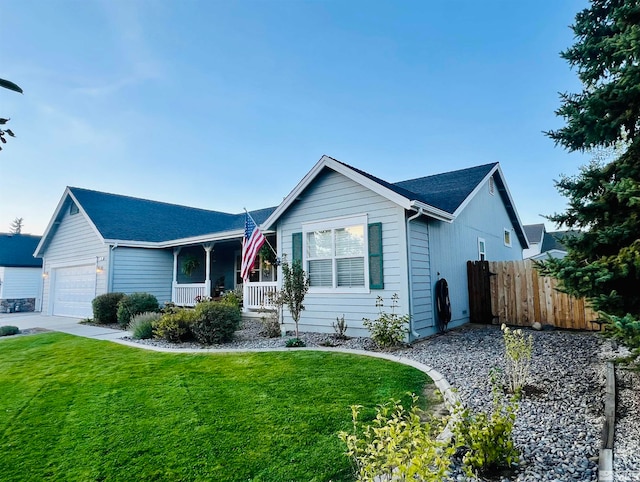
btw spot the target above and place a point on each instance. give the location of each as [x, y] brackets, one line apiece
[452, 245]
[140, 270]
[329, 196]
[74, 243]
[422, 312]
[21, 283]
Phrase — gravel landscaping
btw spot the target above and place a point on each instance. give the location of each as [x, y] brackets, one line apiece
[560, 418]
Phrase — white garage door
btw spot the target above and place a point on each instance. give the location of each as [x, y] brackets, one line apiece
[74, 289]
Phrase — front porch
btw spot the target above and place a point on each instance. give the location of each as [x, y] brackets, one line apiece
[211, 269]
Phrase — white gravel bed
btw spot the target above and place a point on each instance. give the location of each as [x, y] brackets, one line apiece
[559, 421]
[626, 447]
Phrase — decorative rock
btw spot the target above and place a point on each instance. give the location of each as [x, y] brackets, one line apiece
[536, 325]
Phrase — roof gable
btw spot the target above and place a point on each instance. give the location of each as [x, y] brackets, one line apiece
[449, 190]
[124, 219]
[16, 250]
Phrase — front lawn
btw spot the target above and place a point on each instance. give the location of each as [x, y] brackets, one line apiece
[79, 409]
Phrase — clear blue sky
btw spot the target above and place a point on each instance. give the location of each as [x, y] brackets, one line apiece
[224, 105]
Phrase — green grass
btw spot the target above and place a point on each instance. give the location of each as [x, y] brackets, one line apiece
[79, 409]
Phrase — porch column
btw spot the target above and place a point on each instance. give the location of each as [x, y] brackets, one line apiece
[208, 249]
[174, 282]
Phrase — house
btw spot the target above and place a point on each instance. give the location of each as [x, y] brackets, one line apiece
[99, 243]
[20, 273]
[357, 236]
[543, 244]
[360, 237]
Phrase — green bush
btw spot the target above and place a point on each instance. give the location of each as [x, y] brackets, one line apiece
[295, 343]
[9, 330]
[133, 304]
[233, 298]
[625, 329]
[141, 325]
[389, 329]
[105, 308]
[486, 439]
[215, 322]
[398, 445]
[175, 326]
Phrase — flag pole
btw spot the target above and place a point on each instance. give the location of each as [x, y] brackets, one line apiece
[265, 238]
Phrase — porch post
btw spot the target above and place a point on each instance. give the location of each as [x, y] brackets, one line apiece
[208, 248]
[174, 282]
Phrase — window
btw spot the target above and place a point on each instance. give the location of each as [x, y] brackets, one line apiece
[482, 252]
[507, 237]
[73, 209]
[335, 254]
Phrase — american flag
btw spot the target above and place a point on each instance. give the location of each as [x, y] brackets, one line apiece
[251, 244]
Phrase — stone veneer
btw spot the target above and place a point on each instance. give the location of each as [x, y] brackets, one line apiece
[17, 305]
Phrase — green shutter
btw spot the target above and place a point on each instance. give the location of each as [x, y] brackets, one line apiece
[376, 276]
[296, 247]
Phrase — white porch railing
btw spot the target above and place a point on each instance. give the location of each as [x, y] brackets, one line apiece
[259, 295]
[185, 294]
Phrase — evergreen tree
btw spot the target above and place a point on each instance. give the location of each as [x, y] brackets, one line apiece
[603, 261]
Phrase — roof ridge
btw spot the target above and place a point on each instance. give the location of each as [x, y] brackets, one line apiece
[455, 171]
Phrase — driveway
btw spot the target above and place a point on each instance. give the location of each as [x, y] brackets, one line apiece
[71, 326]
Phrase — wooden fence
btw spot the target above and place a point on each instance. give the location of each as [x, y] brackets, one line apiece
[513, 292]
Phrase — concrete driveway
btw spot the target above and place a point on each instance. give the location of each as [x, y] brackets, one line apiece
[60, 323]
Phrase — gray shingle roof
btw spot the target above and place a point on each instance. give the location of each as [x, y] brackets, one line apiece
[133, 219]
[16, 250]
[534, 232]
[446, 191]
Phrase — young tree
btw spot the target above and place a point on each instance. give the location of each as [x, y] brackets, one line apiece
[295, 285]
[16, 226]
[603, 261]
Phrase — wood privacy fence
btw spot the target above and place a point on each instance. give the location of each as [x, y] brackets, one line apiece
[513, 292]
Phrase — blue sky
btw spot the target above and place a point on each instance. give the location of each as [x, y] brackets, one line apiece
[224, 105]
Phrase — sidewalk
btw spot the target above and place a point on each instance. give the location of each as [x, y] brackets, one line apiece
[60, 323]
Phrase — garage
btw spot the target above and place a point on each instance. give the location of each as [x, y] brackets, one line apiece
[73, 291]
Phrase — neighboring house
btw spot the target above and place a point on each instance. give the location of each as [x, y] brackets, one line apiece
[358, 237]
[543, 244]
[20, 273]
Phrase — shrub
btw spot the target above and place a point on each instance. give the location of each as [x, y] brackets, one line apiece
[518, 349]
[295, 343]
[8, 330]
[340, 327]
[133, 304]
[270, 323]
[215, 322]
[141, 325]
[175, 326]
[388, 329]
[398, 445]
[105, 308]
[233, 298]
[486, 439]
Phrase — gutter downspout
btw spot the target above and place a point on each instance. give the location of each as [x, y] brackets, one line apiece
[110, 273]
[413, 332]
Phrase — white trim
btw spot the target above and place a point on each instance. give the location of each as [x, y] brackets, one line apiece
[481, 252]
[57, 218]
[326, 161]
[333, 224]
